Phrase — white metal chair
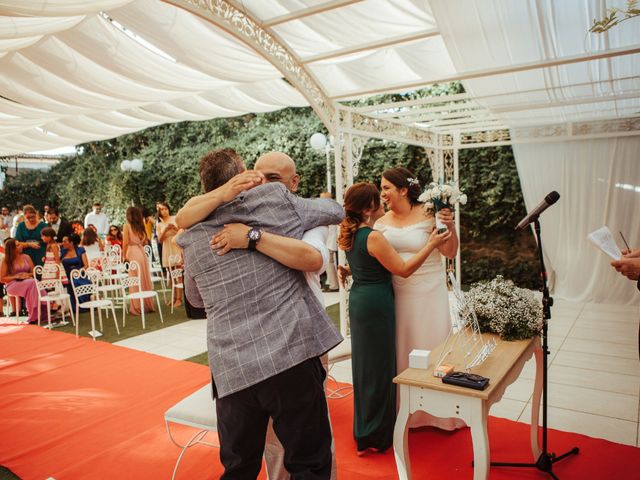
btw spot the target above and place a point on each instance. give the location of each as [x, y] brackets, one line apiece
[198, 410]
[156, 271]
[338, 354]
[54, 292]
[176, 273]
[108, 285]
[13, 307]
[95, 302]
[133, 280]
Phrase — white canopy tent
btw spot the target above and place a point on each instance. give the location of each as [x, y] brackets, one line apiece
[80, 70]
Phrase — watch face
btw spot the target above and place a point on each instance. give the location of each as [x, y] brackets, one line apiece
[254, 234]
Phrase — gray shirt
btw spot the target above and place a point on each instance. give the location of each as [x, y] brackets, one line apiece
[262, 317]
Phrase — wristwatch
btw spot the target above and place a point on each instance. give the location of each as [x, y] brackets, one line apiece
[254, 235]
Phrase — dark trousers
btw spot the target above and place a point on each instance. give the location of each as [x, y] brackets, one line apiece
[296, 402]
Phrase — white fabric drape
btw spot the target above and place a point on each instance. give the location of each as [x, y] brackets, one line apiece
[589, 175]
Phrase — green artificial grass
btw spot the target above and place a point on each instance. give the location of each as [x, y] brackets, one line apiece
[133, 327]
[6, 474]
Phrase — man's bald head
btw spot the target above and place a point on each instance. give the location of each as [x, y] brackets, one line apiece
[278, 167]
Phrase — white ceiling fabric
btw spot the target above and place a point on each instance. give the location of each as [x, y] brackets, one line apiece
[514, 33]
[68, 75]
[68, 80]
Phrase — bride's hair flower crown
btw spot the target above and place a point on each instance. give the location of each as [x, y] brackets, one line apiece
[413, 181]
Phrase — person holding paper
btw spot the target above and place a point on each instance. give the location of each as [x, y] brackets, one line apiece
[629, 266]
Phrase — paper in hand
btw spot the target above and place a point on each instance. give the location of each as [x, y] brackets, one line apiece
[603, 239]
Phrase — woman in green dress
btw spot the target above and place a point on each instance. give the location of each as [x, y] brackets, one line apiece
[372, 260]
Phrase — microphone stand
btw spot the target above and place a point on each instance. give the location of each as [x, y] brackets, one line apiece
[545, 460]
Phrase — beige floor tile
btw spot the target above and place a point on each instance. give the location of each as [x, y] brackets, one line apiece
[566, 304]
[603, 333]
[529, 369]
[611, 307]
[600, 348]
[592, 361]
[620, 317]
[521, 390]
[507, 408]
[625, 328]
[555, 344]
[596, 402]
[342, 373]
[612, 429]
[593, 379]
[560, 328]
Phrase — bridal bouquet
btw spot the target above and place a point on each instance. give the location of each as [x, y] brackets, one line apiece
[442, 195]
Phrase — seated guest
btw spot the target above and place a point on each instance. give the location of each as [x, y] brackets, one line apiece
[114, 237]
[93, 245]
[73, 258]
[16, 274]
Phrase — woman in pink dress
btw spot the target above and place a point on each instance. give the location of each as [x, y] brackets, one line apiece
[134, 240]
[15, 273]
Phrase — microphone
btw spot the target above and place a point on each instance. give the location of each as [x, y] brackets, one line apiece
[535, 213]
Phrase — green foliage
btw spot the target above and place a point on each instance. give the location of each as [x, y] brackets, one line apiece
[172, 152]
[611, 19]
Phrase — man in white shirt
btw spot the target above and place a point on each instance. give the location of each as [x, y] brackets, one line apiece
[278, 167]
[331, 285]
[98, 220]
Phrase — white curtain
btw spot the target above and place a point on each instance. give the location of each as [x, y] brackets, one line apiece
[599, 184]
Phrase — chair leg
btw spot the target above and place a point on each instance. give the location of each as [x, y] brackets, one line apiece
[48, 312]
[100, 318]
[39, 311]
[115, 319]
[93, 323]
[142, 312]
[160, 308]
[124, 309]
[173, 287]
[77, 318]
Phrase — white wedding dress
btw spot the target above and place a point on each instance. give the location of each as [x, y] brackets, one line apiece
[422, 305]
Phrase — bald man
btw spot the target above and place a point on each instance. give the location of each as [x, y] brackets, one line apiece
[309, 255]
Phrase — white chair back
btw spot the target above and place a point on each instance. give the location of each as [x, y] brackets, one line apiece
[48, 283]
[114, 250]
[80, 290]
[133, 279]
[175, 261]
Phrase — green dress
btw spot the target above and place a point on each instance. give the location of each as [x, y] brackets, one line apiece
[23, 234]
[373, 356]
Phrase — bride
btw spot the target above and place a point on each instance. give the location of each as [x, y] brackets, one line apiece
[422, 302]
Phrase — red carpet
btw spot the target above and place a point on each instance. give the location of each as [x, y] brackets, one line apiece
[78, 409]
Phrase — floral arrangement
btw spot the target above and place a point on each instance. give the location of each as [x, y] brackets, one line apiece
[513, 313]
[442, 195]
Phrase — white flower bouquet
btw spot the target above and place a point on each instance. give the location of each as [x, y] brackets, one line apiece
[513, 313]
[442, 195]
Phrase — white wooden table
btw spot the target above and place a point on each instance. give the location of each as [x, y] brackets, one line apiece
[421, 391]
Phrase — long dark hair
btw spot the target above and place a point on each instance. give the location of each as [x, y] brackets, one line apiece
[358, 198]
[118, 232]
[89, 237]
[399, 177]
[162, 204]
[10, 253]
[136, 221]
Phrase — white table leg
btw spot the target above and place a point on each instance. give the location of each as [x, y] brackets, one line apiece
[480, 439]
[401, 436]
[535, 405]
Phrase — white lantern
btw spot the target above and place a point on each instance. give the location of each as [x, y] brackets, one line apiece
[136, 165]
[125, 165]
[318, 141]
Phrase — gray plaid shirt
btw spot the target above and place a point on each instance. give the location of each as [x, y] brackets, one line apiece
[262, 317]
